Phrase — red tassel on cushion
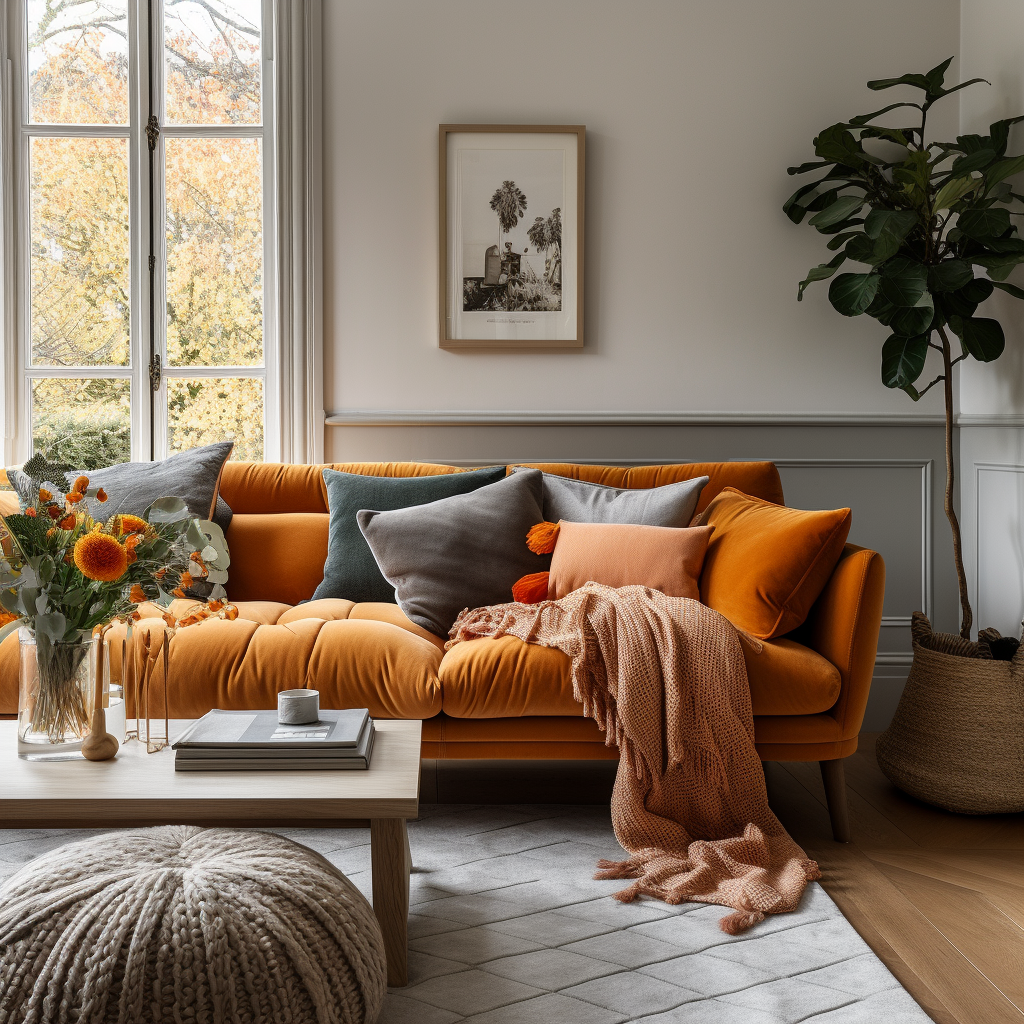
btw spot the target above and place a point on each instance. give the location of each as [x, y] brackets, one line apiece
[531, 589]
[541, 539]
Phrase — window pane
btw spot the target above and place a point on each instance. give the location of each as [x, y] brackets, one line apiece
[79, 200]
[212, 48]
[78, 61]
[203, 410]
[214, 252]
[84, 422]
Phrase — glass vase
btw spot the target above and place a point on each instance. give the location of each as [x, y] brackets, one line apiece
[56, 694]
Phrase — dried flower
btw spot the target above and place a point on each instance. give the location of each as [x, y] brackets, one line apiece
[186, 580]
[30, 512]
[178, 592]
[161, 573]
[69, 522]
[73, 497]
[126, 523]
[230, 613]
[45, 495]
[54, 511]
[101, 495]
[130, 544]
[136, 595]
[80, 484]
[215, 605]
[100, 557]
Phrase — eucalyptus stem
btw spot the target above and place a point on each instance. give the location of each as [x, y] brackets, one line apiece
[966, 615]
[60, 705]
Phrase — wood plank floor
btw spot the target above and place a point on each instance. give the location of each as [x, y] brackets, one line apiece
[939, 897]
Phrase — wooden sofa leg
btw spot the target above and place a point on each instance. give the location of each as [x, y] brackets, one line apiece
[833, 775]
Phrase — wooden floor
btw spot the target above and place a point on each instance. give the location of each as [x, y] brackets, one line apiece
[939, 897]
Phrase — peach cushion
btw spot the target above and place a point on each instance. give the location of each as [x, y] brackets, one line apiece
[766, 564]
[506, 678]
[619, 555]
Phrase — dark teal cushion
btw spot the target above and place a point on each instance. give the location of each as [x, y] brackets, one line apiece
[351, 571]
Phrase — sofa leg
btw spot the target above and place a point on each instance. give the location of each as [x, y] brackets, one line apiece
[833, 775]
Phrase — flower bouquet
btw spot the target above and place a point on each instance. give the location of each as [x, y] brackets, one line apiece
[63, 573]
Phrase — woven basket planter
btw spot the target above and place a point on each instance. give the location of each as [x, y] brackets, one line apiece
[957, 738]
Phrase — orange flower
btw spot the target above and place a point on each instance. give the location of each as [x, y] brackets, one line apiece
[215, 605]
[130, 544]
[51, 532]
[230, 613]
[126, 523]
[101, 495]
[100, 557]
[45, 495]
[6, 617]
[73, 497]
[69, 522]
[54, 511]
[30, 512]
[178, 592]
[80, 484]
[136, 595]
[170, 620]
[161, 573]
[186, 580]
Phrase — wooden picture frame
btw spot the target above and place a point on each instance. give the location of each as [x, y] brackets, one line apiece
[510, 256]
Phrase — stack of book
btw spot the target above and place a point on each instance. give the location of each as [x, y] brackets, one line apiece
[255, 740]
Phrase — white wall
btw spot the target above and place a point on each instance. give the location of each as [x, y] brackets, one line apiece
[693, 111]
[992, 454]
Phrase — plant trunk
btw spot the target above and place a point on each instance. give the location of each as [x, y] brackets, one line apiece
[966, 616]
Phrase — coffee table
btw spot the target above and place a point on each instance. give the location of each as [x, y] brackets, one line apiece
[139, 789]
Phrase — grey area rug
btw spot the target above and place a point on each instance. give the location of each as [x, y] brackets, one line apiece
[508, 927]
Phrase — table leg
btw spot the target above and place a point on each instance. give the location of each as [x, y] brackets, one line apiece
[390, 865]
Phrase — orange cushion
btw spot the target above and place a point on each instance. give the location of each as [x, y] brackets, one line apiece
[758, 478]
[766, 564]
[506, 678]
[619, 555]
[276, 557]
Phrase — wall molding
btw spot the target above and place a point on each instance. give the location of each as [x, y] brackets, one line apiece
[529, 418]
[1012, 468]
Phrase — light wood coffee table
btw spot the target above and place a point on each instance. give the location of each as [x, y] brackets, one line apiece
[138, 789]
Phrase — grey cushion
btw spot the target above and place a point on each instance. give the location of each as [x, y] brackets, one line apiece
[461, 552]
[579, 501]
[351, 571]
[193, 476]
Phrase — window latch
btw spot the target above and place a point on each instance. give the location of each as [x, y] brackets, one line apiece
[154, 373]
[152, 132]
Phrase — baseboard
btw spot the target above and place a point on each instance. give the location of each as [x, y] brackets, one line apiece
[516, 782]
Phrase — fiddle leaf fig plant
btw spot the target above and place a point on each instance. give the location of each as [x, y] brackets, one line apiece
[929, 226]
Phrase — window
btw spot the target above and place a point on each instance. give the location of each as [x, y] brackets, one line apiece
[145, 250]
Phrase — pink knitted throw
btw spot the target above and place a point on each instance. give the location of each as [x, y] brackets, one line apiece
[665, 678]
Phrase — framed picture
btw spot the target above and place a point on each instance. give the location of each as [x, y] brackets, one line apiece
[511, 236]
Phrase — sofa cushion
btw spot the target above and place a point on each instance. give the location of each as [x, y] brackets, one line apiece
[351, 571]
[580, 501]
[758, 478]
[461, 552]
[505, 678]
[766, 564]
[276, 556]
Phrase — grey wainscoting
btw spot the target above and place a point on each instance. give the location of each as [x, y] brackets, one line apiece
[889, 470]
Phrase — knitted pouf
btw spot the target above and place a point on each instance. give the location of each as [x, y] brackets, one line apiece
[186, 924]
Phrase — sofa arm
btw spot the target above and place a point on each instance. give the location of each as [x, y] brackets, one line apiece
[843, 628]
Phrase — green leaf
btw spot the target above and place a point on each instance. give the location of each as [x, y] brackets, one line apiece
[1000, 133]
[851, 294]
[999, 267]
[793, 208]
[949, 275]
[903, 360]
[1010, 289]
[51, 626]
[1004, 169]
[864, 118]
[954, 189]
[957, 88]
[937, 75]
[917, 81]
[980, 224]
[973, 161]
[862, 249]
[840, 210]
[904, 281]
[837, 145]
[964, 301]
[909, 321]
[809, 166]
[73, 598]
[167, 510]
[821, 272]
[894, 229]
[839, 240]
[982, 337]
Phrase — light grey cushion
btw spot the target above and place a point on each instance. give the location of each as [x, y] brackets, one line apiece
[460, 552]
[579, 501]
[193, 476]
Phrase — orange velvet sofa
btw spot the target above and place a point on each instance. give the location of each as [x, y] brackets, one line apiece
[485, 698]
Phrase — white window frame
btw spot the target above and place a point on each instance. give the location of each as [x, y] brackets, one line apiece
[147, 406]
